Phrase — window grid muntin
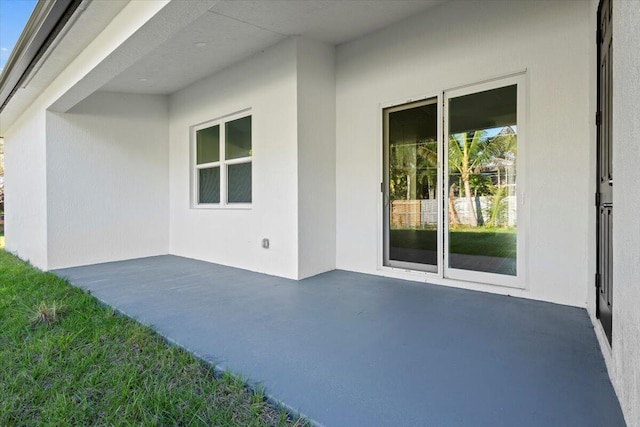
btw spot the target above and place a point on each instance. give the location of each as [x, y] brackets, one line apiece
[222, 163]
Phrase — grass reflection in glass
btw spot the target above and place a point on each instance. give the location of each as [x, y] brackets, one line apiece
[486, 241]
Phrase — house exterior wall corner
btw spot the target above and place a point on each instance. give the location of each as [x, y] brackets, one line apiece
[25, 189]
[316, 147]
[626, 227]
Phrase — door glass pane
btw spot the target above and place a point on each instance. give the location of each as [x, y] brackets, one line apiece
[208, 145]
[209, 185]
[482, 201]
[412, 184]
[239, 185]
[238, 138]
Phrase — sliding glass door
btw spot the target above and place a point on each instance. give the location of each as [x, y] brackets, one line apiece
[412, 186]
[461, 220]
[481, 227]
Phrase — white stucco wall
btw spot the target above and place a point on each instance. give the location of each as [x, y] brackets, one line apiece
[108, 180]
[316, 158]
[25, 189]
[626, 227]
[459, 43]
[265, 83]
[25, 147]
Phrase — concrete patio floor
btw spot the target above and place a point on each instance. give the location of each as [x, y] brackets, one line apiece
[349, 349]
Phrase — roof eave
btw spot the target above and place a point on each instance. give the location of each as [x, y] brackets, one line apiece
[45, 24]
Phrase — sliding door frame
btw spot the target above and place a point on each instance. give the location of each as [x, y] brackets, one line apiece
[517, 281]
[386, 199]
[444, 272]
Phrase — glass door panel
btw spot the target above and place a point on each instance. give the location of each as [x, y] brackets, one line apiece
[411, 188]
[481, 191]
[452, 184]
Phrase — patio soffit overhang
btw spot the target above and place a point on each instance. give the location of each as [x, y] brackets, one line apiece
[55, 34]
[182, 42]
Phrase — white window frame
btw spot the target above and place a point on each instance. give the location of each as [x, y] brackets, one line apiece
[222, 164]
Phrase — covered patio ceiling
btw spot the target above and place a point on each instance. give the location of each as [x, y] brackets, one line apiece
[185, 41]
[229, 31]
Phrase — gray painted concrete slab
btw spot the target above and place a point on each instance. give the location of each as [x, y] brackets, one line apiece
[350, 349]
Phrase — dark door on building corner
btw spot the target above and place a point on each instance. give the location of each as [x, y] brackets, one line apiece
[604, 195]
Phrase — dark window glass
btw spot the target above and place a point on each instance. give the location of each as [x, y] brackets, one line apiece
[208, 145]
[209, 180]
[239, 185]
[238, 138]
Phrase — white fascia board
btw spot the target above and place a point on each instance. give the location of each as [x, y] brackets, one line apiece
[75, 83]
[139, 28]
[132, 17]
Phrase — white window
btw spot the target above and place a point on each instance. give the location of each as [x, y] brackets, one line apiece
[221, 159]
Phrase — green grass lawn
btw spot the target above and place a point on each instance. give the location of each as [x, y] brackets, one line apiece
[65, 359]
[497, 242]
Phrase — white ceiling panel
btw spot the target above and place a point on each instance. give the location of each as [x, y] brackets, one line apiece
[235, 29]
[209, 44]
[331, 21]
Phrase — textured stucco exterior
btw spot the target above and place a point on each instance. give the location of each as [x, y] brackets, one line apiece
[316, 158]
[292, 103]
[233, 236]
[460, 43]
[26, 223]
[625, 348]
[119, 144]
[25, 189]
